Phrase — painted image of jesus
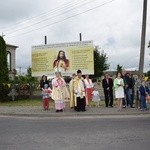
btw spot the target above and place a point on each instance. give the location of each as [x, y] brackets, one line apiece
[61, 63]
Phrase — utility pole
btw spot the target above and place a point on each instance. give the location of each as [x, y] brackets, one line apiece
[149, 53]
[20, 71]
[143, 35]
[3, 34]
[45, 40]
[148, 45]
[80, 35]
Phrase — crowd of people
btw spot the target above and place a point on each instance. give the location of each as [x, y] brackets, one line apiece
[82, 91]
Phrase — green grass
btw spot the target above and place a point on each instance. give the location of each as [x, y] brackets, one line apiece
[38, 102]
[29, 102]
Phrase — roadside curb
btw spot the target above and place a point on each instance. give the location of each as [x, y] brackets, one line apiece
[32, 111]
[60, 115]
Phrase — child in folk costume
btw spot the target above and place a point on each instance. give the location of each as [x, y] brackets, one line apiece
[46, 91]
[96, 96]
[59, 92]
[89, 87]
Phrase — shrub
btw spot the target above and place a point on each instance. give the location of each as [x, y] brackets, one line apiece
[4, 91]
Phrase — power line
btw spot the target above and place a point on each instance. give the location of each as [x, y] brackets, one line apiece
[60, 14]
[34, 17]
[66, 18]
[54, 11]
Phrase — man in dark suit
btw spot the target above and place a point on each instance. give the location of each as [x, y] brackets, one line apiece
[107, 84]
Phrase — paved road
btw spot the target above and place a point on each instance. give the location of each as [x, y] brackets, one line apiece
[75, 133]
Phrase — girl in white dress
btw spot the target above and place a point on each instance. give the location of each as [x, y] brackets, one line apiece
[119, 89]
[96, 96]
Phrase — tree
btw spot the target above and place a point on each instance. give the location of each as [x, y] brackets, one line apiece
[119, 68]
[27, 78]
[100, 62]
[4, 77]
[148, 74]
[4, 89]
[26, 84]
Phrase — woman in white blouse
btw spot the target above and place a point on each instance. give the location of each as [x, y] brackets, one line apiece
[119, 89]
[89, 88]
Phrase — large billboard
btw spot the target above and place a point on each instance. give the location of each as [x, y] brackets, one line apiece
[64, 57]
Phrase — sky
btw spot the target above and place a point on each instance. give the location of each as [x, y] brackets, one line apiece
[113, 25]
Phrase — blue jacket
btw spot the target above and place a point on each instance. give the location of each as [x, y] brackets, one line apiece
[143, 89]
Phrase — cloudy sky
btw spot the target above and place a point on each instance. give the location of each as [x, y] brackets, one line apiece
[113, 25]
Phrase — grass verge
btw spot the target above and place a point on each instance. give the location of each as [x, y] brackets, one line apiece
[38, 102]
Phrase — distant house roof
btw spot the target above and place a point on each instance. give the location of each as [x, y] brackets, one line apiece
[11, 45]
